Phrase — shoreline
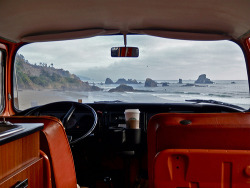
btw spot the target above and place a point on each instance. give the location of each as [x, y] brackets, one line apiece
[30, 98]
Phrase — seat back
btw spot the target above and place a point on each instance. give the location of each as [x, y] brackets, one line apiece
[195, 168]
[54, 142]
[220, 131]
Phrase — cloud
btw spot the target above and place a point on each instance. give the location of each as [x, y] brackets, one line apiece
[159, 58]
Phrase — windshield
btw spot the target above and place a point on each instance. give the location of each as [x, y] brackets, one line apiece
[166, 71]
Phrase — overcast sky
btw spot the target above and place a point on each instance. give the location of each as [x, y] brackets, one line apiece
[159, 59]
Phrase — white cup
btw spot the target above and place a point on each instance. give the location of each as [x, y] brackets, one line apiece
[132, 117]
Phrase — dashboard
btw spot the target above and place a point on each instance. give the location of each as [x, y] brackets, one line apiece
[112, 114]
[110, 121]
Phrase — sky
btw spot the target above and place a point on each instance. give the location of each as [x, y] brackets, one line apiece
[159, 59]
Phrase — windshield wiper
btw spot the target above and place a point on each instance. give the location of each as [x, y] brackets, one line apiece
[115, 101]
[216, 102]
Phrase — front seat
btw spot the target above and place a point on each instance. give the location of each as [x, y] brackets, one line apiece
[54, 143]
[199, 150]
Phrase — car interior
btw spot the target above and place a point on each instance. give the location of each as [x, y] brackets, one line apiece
[66, 143]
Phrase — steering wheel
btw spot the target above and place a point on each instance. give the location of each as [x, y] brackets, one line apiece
[72, 115]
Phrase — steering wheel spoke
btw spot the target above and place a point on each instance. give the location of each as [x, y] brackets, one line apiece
[59, 108]
[67, 116]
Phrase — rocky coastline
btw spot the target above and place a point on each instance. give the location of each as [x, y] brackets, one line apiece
[125, 85]
[121, 81]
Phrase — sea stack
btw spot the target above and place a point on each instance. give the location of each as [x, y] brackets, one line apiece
[150, 83]
[108, 81]
[203, 80]
[122, 88]
[121, 81]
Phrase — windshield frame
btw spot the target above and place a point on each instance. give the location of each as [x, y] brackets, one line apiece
[2, 79]
[243, 48]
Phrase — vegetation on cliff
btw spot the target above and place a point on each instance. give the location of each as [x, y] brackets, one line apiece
[43, 76]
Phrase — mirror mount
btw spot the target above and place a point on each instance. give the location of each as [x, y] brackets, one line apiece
[125, 39]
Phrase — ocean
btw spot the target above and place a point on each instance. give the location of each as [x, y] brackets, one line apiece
[230, 91]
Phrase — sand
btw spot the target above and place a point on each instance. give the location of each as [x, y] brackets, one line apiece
[30, 98]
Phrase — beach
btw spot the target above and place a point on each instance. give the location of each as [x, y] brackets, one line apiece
[236, 93]
[30, 98]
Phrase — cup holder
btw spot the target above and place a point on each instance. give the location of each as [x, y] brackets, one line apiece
[133, 136]
[116, 136]
[125, 139]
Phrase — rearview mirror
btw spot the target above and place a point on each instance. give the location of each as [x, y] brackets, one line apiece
[124, 52]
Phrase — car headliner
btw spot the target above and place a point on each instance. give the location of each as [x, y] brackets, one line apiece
[47, 20]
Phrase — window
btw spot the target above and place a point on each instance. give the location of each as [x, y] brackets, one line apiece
[175, 71]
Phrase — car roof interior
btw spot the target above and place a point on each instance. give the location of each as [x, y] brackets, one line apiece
[59, 20]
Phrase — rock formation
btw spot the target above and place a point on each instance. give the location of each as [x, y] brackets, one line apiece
[188, 85]
[203, 80]
[108, 81]
[164, 84]
[122, 88]
[121, 81]
[124, 81]
[150, 83]
[130, 81]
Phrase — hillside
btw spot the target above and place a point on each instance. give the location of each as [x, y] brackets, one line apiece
[42, 76]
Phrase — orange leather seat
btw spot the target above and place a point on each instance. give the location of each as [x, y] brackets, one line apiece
[54, 143]
[227, 131]
[193, 168]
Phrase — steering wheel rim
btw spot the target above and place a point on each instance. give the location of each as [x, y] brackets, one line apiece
[67, 116]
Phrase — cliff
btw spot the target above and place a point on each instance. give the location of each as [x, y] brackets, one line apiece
[42, 76]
